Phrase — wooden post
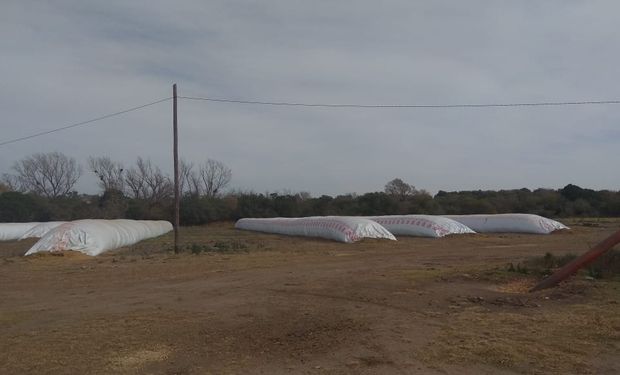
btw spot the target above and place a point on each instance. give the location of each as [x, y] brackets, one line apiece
[574, 266]
[177, 198]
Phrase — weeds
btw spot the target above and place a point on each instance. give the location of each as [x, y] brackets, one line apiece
[233, 245]
[196, 248]
[221, 246]
[606, 266]
[518, 269]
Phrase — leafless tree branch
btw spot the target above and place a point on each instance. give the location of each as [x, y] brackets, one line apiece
[110, 173]
[50, 175]
[144, 181]
[213, 176]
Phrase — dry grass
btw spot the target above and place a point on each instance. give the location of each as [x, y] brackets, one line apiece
[542, 342]
[256, 303]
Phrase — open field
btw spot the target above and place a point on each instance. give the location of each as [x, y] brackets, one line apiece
[242, 302]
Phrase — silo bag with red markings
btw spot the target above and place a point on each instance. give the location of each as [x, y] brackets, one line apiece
[339, 228]
[421, 225]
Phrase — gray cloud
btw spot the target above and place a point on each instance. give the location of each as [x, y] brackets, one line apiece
[73, 60]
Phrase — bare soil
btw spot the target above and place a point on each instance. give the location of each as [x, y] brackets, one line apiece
[240, 302]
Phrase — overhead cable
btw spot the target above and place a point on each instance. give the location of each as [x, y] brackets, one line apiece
[83, 122]
[319, 105]
[325, 105]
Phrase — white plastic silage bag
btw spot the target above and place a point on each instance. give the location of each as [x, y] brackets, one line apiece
[93, 237]
[339, 228]
[515, 223]
[13, 231]
[421, 225]
[41, 229]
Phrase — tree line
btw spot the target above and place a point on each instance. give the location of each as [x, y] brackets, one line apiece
[41, 187]
[54, 175]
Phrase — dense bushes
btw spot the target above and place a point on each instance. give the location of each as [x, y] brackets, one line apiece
[18, 207]
[199, 210]
[195, 210]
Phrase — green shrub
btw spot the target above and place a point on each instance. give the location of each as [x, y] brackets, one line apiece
[606, 266]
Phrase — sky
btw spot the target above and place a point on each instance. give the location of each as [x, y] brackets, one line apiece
[69, 61]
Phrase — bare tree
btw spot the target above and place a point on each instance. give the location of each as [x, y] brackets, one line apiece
[144, 181]
[50, 175]
[213, 176]
[8, 182]
[189, 183]
[110, 173]
[134, 183]
[400, 189]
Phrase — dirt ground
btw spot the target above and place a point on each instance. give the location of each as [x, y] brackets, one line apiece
[240, 302]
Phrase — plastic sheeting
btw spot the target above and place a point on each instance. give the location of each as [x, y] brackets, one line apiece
[421, 225]
[339, 228]
[41, 229]
[14, 231]
[509, 223]
[93, 237]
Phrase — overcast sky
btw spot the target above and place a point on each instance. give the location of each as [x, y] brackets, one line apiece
[63, 62]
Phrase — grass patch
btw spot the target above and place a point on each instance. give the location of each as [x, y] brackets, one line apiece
[567, 339]
[606, 266]
[220, 246]
[540, 266]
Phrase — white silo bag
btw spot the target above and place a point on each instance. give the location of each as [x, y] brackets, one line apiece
[339, 228]
[93, 237]
[509, 223]
[41, 229]
[421, 225]
[13, 231]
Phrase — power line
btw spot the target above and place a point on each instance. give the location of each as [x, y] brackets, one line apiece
[83, 122]
[294, 104]
[320, 105]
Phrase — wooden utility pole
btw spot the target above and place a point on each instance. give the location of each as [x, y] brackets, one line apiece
[175, 151]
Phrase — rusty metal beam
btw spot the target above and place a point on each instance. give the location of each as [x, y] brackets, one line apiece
[580, 262]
